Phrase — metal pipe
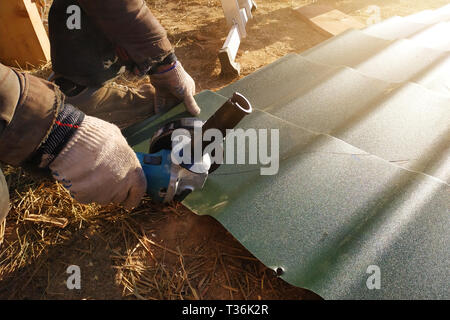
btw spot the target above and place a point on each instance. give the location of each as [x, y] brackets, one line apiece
[228, 115]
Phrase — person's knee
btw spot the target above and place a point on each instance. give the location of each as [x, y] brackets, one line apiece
[4, 198]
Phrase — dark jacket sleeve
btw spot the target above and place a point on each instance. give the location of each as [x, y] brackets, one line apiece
[28, 108]
[130, 25]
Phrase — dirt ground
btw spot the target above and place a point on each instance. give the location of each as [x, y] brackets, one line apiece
[160, 252]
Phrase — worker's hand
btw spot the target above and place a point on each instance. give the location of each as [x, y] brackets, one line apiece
[174, 82]
[97, 165]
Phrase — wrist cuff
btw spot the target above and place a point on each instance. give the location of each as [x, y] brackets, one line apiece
[167, 60]
[90, 143]
[66, 124]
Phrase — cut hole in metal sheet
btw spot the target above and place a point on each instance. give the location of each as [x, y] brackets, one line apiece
[279, 271]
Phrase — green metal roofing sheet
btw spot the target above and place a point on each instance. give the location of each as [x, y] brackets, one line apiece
[388, 60]
[403, 123]
[364, 170]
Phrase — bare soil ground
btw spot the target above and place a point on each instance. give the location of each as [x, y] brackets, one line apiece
[158, 252]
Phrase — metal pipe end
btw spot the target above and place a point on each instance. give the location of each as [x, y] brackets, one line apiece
[241, 102]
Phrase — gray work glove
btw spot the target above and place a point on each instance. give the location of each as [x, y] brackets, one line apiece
[175, 82]
[97, 165]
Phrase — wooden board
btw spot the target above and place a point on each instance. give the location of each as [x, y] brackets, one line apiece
[23, 40]
[328, 20]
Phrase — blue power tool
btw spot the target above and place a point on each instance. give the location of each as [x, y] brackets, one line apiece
[170, 180]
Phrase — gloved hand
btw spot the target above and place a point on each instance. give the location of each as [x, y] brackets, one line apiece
[97, 165]
[174, 82]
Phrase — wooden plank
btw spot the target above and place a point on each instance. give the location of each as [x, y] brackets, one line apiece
[23, 40]
[227, 54]
[232, 13]
[328, 20]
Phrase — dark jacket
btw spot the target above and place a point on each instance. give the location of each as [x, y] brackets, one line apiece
[131, 25]
[25, 120]
[111, 34]
[29, 105]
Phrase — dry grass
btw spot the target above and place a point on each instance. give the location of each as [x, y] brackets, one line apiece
[144, 254]
[27, 239]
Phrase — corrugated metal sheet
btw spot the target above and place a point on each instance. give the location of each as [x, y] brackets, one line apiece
[403, 123]
[364, 163]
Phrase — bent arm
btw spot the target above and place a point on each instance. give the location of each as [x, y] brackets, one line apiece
[28, 108]
[131, 25]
